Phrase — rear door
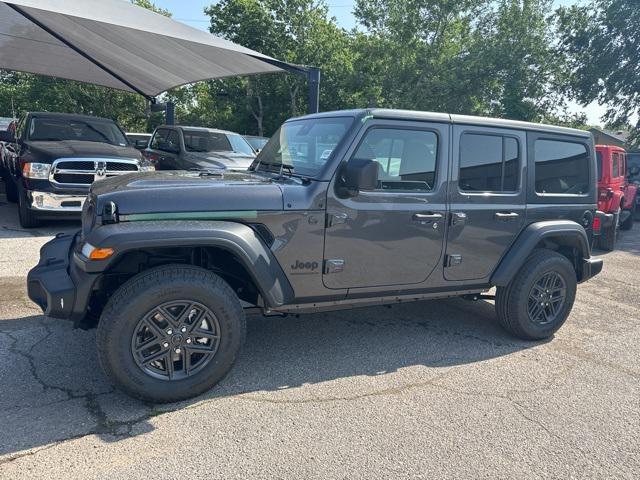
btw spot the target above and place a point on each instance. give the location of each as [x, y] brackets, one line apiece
[486, 198]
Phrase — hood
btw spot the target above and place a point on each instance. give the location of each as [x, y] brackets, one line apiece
[226, 160]
[74, 148]
[181, 191]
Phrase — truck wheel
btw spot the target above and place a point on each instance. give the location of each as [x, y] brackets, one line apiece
[609, 235]
[539, 298]
[26, 216]
[170, 333]
[628, 223]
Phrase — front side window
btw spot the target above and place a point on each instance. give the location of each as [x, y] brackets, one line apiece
[561, 167]
[488, 163]
[47, 129]
[303, 146]
[406, 158]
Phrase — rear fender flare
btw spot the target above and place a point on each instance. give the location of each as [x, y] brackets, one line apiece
[563, 231]
[236, 238]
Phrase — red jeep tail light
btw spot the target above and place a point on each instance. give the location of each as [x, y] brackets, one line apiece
[597, 223]
[605, 193]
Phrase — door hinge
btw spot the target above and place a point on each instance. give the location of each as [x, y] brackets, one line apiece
[336, 219]
[452, 260]
[335, 265]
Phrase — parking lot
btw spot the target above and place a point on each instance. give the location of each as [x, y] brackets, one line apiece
[431, 389]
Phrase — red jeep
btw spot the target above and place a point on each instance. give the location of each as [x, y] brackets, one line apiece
[616, 195]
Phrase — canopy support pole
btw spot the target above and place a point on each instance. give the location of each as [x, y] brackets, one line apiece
[313, 79]
[78, 50]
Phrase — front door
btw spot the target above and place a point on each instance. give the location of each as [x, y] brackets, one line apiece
[487, 199]
[393, 235]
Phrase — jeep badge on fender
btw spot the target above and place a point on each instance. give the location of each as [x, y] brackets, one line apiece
[169, 263]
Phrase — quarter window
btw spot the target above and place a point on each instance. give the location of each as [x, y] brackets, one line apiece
[616, 165]
[561, 167]
[488, 163]
[406, 158]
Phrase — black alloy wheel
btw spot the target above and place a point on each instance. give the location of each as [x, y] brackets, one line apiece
[175, 340]
[546, 298]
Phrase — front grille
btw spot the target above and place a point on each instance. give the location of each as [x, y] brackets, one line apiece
[84, 171]
[73, 178]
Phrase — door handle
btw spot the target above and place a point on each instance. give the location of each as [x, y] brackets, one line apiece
[427, 217]
[506, 216]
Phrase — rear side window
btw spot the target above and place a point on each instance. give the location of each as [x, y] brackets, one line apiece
[599, 164]
[561, 167]
[406, 158]
[488, 163]
[616, 165]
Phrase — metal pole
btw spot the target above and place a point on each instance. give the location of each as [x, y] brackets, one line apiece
[313, 78]
[170, 113]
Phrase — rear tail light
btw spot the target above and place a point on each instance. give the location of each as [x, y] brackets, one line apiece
[597, 223]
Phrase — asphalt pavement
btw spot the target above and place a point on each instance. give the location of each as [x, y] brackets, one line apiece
[426, 390]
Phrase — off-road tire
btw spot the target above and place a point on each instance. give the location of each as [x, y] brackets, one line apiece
[26, 216]
[628, 223]
[146, 291]
[512, 300]
[608, 236]
[10, 189]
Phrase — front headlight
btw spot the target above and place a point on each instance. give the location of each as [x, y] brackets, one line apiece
[147, 166]
[38, 171]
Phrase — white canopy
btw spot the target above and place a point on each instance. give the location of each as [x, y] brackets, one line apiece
[119, 45]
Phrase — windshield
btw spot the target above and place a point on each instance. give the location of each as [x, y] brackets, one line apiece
[240, 145]
[57, 129]
[203, 141]
[304, 146]
[257, 142]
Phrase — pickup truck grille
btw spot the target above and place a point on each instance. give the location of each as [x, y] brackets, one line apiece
[84, 171]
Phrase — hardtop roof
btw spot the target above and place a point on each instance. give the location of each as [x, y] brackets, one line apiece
[415, 115]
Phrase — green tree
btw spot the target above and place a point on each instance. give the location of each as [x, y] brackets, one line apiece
[602, 44]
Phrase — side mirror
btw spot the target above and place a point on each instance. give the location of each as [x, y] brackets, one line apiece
[140, 144]
[360, 175]
[7, 136]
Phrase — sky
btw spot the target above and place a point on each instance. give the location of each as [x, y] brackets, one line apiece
[191, 12]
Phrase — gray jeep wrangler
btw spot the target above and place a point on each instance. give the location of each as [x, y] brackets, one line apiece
[339, 210]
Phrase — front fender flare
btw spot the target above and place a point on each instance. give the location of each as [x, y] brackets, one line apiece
[565, 231]
[236, 238]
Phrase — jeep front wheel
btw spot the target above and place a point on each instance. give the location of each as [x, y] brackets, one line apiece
[170, 333]
[539, 299]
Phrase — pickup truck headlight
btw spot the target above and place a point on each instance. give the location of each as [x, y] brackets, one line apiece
[38, 171]
[147, 166]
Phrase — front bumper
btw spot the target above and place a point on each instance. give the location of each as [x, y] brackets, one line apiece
[54, 202]
[56, 285]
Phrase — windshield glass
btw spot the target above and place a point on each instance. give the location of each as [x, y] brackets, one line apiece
[57, 129]
[240, 145]
[304, 146]
[257, 142]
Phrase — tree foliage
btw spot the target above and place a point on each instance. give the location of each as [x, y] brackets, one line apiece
[602, 42]
[506, 58]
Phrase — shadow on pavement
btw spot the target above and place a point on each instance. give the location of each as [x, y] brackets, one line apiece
[54, 390]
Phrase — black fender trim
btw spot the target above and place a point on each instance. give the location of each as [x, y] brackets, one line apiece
[238, 239]
[569, 232]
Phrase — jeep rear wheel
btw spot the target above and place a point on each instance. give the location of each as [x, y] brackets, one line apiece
[539, 299]
[170, 333]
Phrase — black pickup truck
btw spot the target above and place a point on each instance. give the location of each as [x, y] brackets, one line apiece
[53, 158]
